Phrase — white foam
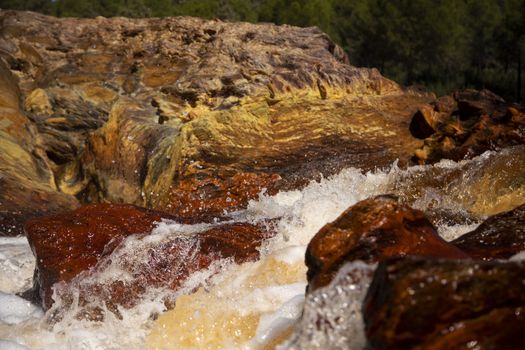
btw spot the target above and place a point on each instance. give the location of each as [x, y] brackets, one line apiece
[9, 345]
[518, 257]
[17, 264]
[272, 325]
[14, 310]
[332, 316]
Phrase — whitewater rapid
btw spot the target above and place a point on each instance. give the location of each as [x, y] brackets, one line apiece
[256, 305]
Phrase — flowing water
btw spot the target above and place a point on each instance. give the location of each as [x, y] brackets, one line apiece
[258, 305]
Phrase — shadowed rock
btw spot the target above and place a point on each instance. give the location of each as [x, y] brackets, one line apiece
[445, 304]
[373, 230]
[72, 246]
[466, 124]
[188, 116]
[499, 237]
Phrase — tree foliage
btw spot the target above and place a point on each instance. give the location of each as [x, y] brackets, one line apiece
[443, 44]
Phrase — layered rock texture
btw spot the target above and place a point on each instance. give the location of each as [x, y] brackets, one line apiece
[182, 115]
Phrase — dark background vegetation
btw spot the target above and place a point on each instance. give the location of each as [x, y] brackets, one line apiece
[440, 44]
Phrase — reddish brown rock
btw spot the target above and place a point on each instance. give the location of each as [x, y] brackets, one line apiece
[446, 304]
[69, 243]
[466, 124]
[373, 230]
[499, 237]
[82, 242]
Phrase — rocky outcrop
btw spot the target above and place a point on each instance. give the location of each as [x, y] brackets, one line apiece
[466, 124]
[72, 246]
[184, 115]
[499, 237]
[27, 183]
[445, 304]
[373, 230]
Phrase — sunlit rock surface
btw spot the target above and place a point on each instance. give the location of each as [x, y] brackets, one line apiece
[185, 115]
[446, 304]
[373, 230]
[72, 246]
[499, 237]
[27, 183]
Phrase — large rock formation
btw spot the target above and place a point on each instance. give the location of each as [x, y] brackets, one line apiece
[183, 115]
[86, 241]
[370, 231]
[446, 304]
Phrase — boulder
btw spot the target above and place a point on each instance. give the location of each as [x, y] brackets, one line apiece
[466, 124]
[191, 116]
[415, 303]
[372, 230]
[499, 237]
[72, 247]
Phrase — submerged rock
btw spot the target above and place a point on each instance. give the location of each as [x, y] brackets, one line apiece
[499, 237]
[72, 247]
[371, 231]
[185, 115]
[466, 124]
[446, 304]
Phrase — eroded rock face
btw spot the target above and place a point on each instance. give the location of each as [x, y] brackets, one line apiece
[72, 246]
[190, 116]
[499, 237]
[466, 124]
[27, 183]
[446, 304]
[373, 230]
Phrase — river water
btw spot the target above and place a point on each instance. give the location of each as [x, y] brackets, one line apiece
[258, 305]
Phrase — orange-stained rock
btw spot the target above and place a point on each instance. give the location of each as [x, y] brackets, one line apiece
[73, 246]
[373, 230]
[466, 124]
[499, 237]
[415, 303]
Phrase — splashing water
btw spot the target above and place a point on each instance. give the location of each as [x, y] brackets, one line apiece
[255, 305]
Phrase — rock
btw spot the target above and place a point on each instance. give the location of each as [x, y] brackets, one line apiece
[499, 237]
[373, 230]
[465, 125]
[69, 243]
[73, 246]
[195, 117]
[445, 304]
[27, 181]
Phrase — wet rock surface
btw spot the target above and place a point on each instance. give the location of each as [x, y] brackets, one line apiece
[466, 124]
[445, 304]
[71, 246]
[69, 243]
[183, 115]
[499, 237]
[373, 230]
